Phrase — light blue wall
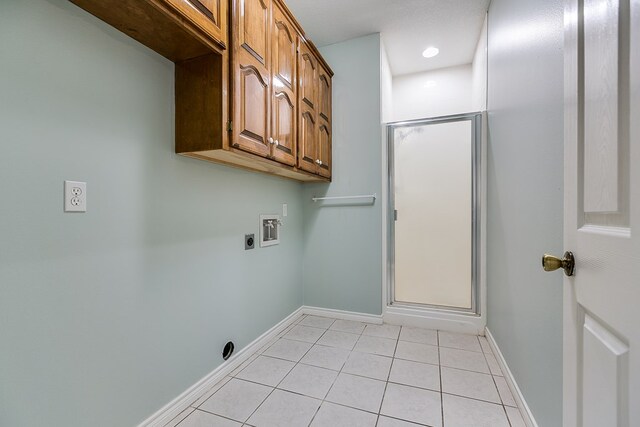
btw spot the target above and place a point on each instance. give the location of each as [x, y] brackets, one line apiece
[343, 244]
[109, 315]
[525, 174]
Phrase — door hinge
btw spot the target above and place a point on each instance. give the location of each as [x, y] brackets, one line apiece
[395, 214]
[229, 126]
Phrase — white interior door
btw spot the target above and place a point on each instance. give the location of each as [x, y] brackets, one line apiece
[602, 213]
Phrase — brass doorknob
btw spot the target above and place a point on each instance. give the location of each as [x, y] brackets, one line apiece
[552, 263]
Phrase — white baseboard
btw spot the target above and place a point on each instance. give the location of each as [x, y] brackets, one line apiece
[527, 416]
[341, 314]
[435, 319]
[182, 402]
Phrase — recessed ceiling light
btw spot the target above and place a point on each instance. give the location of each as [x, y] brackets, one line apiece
[430, 52]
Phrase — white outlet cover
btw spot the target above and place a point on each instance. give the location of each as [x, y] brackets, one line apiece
[75, 196]
[284, 209]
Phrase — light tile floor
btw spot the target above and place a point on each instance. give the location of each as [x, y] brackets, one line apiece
[326, 372]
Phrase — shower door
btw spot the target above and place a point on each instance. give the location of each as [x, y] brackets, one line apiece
[433, 183]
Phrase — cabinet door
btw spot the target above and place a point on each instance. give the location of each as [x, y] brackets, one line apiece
[324, 123]
[209, 15]
[324, 148]
[284, 45]
[308, 73]
[307, 116]
[307, 147]
[251, 76]
[324, 94]
[210, 8]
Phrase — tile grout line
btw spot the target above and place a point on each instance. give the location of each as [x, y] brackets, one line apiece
[369, 378]
[187, 416]
[504, 409]
[249, 360]
[210, 413]
[288, 372]
[326, 329]
[298, 363]
[340, 372]
[386, 384]
[441, 388]
[257, 354]
[334, 381]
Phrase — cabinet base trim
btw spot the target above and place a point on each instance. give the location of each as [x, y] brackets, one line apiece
[254, 163]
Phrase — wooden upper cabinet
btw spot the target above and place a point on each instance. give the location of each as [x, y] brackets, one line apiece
[314, 136]
[251, 77]
[284, 45]
[250, 90]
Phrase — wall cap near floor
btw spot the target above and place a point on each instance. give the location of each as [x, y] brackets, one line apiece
[342, 314]
[434, 319]
[526, 413]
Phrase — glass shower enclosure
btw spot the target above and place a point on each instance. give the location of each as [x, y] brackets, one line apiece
[433, 207]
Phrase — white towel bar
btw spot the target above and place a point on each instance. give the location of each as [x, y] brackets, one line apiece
[373, 196]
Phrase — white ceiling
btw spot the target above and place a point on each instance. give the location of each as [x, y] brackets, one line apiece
[407, 26]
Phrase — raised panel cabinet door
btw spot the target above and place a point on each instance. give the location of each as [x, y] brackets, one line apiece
[308, 75]
[324, 148]
[209, 8]
[251, 77]
[324, 95]
[284, 44]
[253, 24]
[284, 128]
[324, 123]
[209, 15]
[307, 146]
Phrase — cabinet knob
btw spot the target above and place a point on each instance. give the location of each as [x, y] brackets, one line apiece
[276, 143]
[270, 140]
[319, 162]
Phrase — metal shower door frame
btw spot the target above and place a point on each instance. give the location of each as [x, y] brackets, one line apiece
[476, 120]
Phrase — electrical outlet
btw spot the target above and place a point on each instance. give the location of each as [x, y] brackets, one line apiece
[249, 242]
[75, 196]
[285, 210]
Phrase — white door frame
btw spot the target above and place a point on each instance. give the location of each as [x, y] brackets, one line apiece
[472, 322]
